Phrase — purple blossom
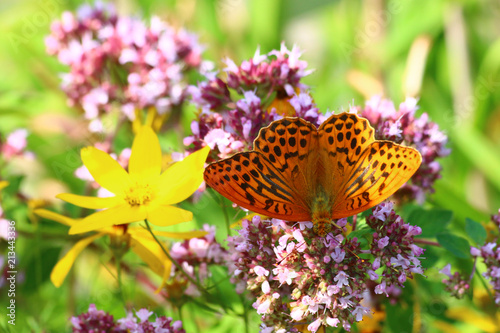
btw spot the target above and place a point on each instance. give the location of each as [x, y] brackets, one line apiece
[255, 93]
[302, 285]
[195, 255]
[15, 145]
[397, 260]
[490, 254]
[119, 61]
[456, 284]
[95, 321]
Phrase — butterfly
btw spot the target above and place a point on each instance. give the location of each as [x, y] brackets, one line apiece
[297, 172]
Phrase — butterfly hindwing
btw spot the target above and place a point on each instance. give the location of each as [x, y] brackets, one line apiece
[251, 181]
[381, 170]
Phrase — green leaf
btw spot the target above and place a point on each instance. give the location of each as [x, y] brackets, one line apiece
[366, 213]
[459, 246]
[13, 188]
[359, 233]
[431, 256]
[476, 231]
[400, 316]
[431, 221]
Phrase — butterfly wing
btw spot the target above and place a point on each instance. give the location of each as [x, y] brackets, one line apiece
[251, 181]
[381, 170]
[342, 139]
[365, 171]
[291, 146]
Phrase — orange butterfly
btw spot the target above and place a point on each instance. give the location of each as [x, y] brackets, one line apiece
[297, 172]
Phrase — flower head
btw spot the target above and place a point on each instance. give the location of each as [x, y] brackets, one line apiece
[194, 255]
[490, 254]
[141, 193]
[121, 61]
[136, 238]
[456, 284]
[294, 273]
[99, 321]
[255, 93]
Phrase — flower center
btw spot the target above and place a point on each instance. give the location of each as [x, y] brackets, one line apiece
[138, 194]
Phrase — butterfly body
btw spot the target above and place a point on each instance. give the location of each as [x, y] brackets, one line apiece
[320, 212]
[298, 172]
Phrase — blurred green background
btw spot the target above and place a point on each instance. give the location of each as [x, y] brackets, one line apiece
[447, 53]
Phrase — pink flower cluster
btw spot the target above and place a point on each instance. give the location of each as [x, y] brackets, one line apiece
[393, 247]
[265, 88]
[119, 62]
[295, 274]
[490, 253]
[99, 321]
[403, 126]
[15, 145]
[456, 285]
[195, 255]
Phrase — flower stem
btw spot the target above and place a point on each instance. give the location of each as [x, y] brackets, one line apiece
[118, 263]
[179, 310]
[427, 242]
[245, 313]
[176, 264]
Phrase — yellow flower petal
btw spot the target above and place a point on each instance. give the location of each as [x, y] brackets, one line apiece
[3, 184]
[105, 170]
[177, 235]
[89, 202]
[183, 178]
[117, 215]
[149, 251]
[168, 215]
[62, 268]
[47, 214]
[182, 235]
[152, 254]
[145, 159]
[166, 275]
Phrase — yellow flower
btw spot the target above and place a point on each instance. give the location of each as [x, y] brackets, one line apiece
[139, 240]
[142, 193]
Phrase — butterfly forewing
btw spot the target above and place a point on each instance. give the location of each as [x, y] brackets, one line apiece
[291, 144]
[381, 170]
[342, 139]
[251, 181]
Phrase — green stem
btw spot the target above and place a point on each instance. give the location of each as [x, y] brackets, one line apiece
[245, 313]
[427, 242]
[119, 279]
[179, 310]
[485, 285]
[176, 264]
